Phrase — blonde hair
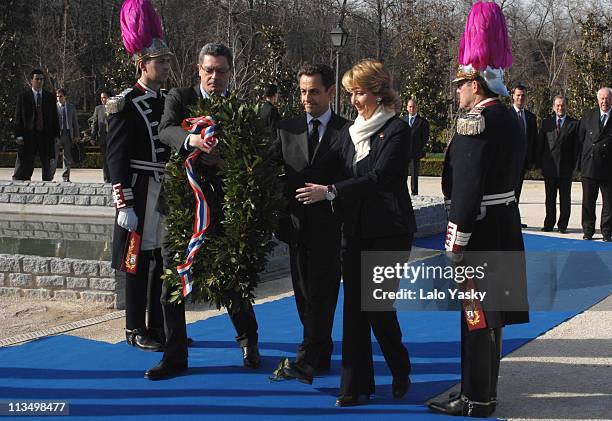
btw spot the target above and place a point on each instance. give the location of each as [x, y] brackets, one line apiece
[373, 76]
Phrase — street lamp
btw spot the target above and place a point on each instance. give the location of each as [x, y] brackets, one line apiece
[338, 39]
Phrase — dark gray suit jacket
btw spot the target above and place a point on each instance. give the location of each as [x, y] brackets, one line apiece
[71, 120]
[175, 111]
[419, 136]
[557, 155]
[99, 125]
[291, 151]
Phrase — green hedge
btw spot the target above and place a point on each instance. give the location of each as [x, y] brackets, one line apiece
[430, 166]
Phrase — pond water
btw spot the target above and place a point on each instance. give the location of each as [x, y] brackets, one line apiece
[56, 236]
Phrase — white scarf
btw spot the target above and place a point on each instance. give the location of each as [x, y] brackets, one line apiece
[362, 130]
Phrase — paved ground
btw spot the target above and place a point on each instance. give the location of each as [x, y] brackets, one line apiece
[565, 374]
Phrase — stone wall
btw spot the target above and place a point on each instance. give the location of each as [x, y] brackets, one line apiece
[53, 193]
[90, 280]
[62, 279]
[55, 230]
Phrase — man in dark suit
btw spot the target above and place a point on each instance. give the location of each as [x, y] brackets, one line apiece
[99, 129]
[269, 113]
[215, 64]
[69, 133]
[556, 153]
[595, 138]
[419, 136]
[529, 127]
[36, 128]
[307, 149]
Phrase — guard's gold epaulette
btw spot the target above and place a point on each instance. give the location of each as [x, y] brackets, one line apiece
[472, 123]
[116, 103]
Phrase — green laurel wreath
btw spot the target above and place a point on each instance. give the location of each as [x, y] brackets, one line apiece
[230, 259]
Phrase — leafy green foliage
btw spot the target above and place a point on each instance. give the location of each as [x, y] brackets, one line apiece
[229, 261]
[591, 62]
[425, 80]
[271, 68]
[15, 15]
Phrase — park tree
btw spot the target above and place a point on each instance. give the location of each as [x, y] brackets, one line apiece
[591, 62]
[14, 16]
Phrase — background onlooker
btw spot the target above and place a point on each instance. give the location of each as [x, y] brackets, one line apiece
[69, 133]
[99, 129]
[556, 153]
[529, 127]
[595, 138]
[36, 128]
[419, 136]
[269, 113]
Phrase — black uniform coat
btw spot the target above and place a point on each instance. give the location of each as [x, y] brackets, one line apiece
[25, 121]
[133, 136]
[596, 147]
[484, 164]
[557, 154]
[377, 204]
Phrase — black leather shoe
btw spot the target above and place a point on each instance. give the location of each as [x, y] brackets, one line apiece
[350, 400]
[587, 237]
[251, 357]
[400, 387]
[453, 406]
[460, 405]
[546, 229]
[300, 371]
[523, 225]
[608, 238]
[164, 370]
[140, 339]
[562, 230]
[323, 366]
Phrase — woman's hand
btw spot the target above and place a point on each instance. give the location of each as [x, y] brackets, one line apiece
[310, 194]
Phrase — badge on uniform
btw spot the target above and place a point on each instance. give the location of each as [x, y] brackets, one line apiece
[472, 308]
[472, 123]
[132, 249]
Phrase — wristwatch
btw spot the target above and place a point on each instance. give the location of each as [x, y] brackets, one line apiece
[331, 192]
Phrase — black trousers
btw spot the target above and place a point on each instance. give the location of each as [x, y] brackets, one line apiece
[414, 169]
[357, 365]
[104, 163]
[143, 290]
[315, 274]
[242, 316]
[590, 191]
[519, 187]
[480, 358]
[24, 164]
[553, 185]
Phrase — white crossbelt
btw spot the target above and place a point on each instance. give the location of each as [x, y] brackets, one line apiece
[491, 199]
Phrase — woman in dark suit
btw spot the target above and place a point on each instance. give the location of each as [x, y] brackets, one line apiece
[377, 215]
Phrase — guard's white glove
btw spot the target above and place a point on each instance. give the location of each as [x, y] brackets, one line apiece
[127, 219]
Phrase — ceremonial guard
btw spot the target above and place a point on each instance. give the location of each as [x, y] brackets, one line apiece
[136, 163]
[482, 166]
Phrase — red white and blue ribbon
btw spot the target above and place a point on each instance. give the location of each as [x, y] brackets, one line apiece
[206, 127]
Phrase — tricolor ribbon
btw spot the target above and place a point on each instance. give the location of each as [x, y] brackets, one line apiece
[206, 127]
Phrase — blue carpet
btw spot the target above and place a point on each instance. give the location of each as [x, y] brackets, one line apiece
[104, 381]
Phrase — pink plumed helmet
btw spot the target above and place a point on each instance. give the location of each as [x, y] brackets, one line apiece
[485, 48]
[141, 28]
